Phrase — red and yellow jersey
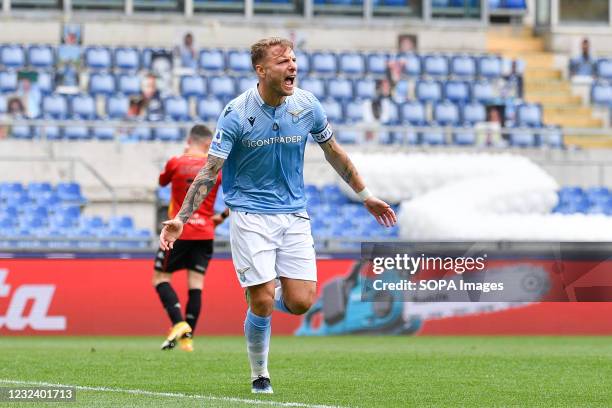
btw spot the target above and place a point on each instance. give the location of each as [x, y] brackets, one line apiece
[180, 172]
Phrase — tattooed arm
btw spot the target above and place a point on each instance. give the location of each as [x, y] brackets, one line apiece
[199, 189]
[339, 160]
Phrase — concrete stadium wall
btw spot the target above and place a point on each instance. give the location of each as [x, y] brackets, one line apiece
[567, 40]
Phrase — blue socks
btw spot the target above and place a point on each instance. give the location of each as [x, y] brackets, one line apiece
[257, 331]
[279, 303]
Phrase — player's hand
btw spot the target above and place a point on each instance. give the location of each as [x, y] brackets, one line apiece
[217, 219]
[382, 211]
[170, 232]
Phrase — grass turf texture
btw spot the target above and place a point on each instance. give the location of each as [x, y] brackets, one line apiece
[343, 371]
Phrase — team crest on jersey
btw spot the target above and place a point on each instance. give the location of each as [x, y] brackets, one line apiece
[242, 273]
[295, 115]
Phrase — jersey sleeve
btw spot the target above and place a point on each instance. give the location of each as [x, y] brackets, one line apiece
[226, 134]
[321, 129]
[165, 176]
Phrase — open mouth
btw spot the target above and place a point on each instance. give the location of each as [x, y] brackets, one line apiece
[289, 81]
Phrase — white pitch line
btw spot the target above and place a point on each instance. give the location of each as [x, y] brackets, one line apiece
[170, 394]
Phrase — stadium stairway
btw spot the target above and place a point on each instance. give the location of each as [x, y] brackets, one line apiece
[543, 83]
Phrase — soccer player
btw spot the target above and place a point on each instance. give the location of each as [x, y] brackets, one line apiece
[194, 249]
[259, 142]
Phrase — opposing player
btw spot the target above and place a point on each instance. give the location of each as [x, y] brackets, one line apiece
[259, 142]
[194, 249]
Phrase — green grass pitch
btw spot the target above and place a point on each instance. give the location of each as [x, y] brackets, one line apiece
[329, 371]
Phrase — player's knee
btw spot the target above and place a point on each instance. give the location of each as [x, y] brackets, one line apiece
[300, 304]
[262, 304]
[158, 278]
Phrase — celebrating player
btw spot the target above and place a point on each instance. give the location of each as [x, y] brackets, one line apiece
[260, 141]
[194, 249]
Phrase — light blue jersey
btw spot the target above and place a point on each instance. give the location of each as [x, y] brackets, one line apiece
[263, 148]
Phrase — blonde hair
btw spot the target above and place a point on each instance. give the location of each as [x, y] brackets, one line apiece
[259, 50]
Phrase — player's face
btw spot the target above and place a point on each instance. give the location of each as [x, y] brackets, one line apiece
[280, 70]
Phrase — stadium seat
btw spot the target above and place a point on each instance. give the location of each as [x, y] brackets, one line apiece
[377, 63]
[51, 133]
[212, 60]
[8, 81]
[101, 84]
[129, 84]
[239, 61]
[394, 115]
[45, 83]
[353, 111]
[209, 109]
[553, 137]
[365, 88]
[604, 68]
[3, 104]
[98, 58]
[433, 136]
[457, 91]
[314, 85]
[70, 192]
[141, 134]
[121, 223]
[176, 108]
[103, 133]
[413, 113]
[412, 64]
[463, 66]
[41, 57]
[77, 133]
[324, 63]
[473, 113]
[483, 92]
[303, 62]
[245, 83]
[435, 65]
[446, 113]
[351, 64]
[333, 109]
[12, 56]
[83, 107]
[117, 106]
[55, 106]
[522, 137]
[168, 134]
[601, 93]
[464, 137]
[340, 88]
[490, 67]
[428, 91]
[127, 59]
[222, 87]
[529, 114]
[515, 4]
[8, 188]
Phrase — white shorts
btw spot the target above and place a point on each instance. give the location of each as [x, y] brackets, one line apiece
[267, 246]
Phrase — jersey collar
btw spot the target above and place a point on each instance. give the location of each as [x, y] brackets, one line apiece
[263, 104]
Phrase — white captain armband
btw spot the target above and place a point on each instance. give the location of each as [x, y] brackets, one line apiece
[324, 135]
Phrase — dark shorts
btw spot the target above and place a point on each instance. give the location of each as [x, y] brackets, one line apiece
[186, 254]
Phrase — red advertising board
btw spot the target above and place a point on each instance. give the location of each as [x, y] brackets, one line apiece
[115, 297]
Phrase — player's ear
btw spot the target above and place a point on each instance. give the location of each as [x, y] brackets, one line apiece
[260, 70]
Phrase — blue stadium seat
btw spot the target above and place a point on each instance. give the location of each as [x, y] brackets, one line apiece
[45, 83]
[193, 85]
[394, 115]
[601, 93]
[473, 113]
[523, 137]
[365, 88]
[324, 63]
[353, 110]
[433, 136]
[8, 81]
[51, 132]
[12, 56]
[127, 59]
[490, 67]
[176, 108]
[68, 211]
[457, 91]
[446, 113]
[412, 64]
[98, 58]
[529, 114]
[168, 134]
[495, 4]
[55, 106]
[464, 137]
[340, 88]
[413, 113]
[222, 87]
[121, 222]
[604, 68]
[141, 134]
[428, 91]
[70, 192]
[553, 137]
[245, 83]
[117, 106]
[435, 65]
[377, 63]
[348, 136]
[103, 133]
[515, 4]
[352, 64]
[239, 61]
[41, 56]
[128, 84]
[314, 85]
[49, 200]
[463, 66]
[333, 109]
[212, 60]
[3, 103]
[101, 84]
[209, 109]
[303, 62]
[483, 92]
[77, 133]
[83, 107]
[8, 188]
[92, 222]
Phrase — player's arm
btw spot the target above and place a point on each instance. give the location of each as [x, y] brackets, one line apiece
[341, 162]
[165, 177]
